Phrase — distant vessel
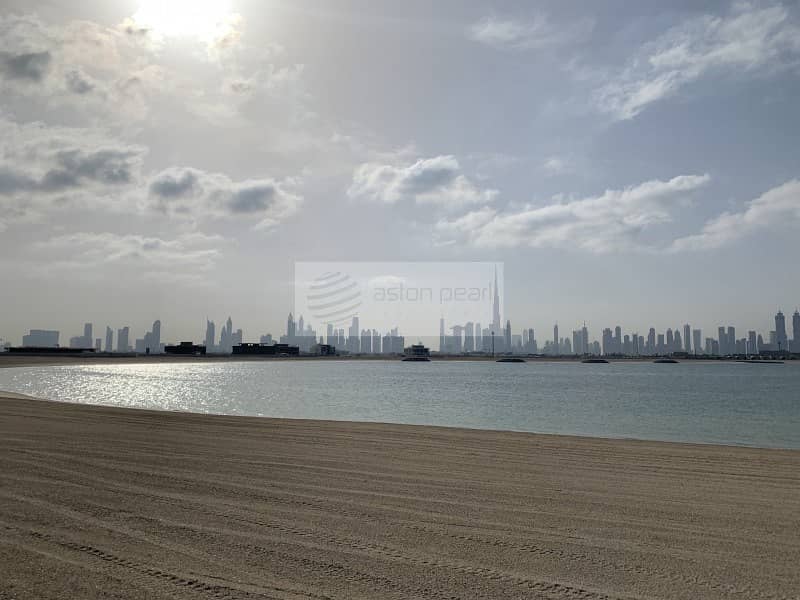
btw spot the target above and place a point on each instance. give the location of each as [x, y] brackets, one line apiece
[594, 361]
[761, 362]
[417, 353]
[666, 361]
[511, 359]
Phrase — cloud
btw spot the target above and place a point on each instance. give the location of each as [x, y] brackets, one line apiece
[515, 34]
[437, 180]
[555, 165]
[609, 222]
[29, 65]
[750, 37]
[191, 193]
[775, 209]
[78, 83]
[188, 257]
[47, 160]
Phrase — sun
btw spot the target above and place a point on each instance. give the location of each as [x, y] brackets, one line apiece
[184, 18]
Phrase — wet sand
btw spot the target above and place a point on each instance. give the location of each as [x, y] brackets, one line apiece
[100, 502]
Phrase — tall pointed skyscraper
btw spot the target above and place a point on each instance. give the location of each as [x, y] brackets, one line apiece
[780, 331]
[497, 326]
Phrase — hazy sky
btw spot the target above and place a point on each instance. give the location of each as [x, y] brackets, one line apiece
[630, 162]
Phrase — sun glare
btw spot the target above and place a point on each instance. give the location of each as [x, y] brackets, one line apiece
[175, 18]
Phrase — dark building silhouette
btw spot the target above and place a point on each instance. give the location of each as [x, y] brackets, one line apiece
[187, 348]
[262, 349]
[49, 350]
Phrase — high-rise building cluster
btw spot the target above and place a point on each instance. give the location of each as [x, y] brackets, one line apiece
[353, 340]
[149, 344]
[228, 338]
[467, 338]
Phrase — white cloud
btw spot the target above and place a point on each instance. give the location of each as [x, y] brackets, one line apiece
[555, 165]
[775, 209]
[45, 168]
[750, 37]
[187, 257]
[437, 180]
[605, 223]
[195, 194]
[516, 34]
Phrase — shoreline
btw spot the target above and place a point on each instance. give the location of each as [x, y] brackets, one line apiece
[128, 503]
[6, 395]
[9, 360]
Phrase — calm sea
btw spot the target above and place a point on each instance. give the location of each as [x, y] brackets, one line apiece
[724, 403]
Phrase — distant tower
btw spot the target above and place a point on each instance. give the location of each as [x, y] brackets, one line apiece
[687, 342]
[469, 337]
[508, 336]
[156, 338]
[796, 331]
[496, 325]
[290, 328]
[780, 331]
[555, 339]
[441, 335]
[122, 339]
[585, 335]
[752, 343]
[210, 334]
[109, 339]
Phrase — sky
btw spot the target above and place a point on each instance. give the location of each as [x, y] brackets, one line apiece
[628, 163]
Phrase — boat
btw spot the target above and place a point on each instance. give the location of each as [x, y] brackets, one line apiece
[417, 353]
[666, 361]
[511, 359]
[593, 361]
[761, 362]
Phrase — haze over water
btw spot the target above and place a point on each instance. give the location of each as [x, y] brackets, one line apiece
[720, 403]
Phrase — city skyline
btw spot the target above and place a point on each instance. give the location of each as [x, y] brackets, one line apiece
[626, 162]
[457, 338]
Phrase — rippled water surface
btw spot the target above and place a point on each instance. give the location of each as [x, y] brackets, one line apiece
[696, 402]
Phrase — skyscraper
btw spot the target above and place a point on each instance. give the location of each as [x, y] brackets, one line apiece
[156, 338]
[122, 339]
[469, 337]
[796, 331]
[752, 343]
[507, 335]
[441, 335]
[291, 328]
[585, 340]
[496, 324]
[687, 335]
[723, 340]
[608, 342]
[556, 350]
[697, 341]
[780, 331]
[210, 335]
[109, 339]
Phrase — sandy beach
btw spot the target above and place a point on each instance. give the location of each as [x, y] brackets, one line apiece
[112, 503]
